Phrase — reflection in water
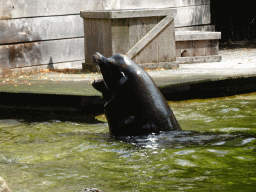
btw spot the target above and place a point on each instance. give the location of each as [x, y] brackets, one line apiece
[216, 151]
[181, 139]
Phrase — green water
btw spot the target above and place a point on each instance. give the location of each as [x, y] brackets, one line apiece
[215, 152]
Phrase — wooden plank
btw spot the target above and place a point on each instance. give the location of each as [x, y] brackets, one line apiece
[167, 51]
[107, 38]
[127, 13]
[100, 36]
[178, 48]
[210, 28]
[133, 35]
[41, 28]
[88, 40]
[196, 35]
[140, 53]
[120, 35]
[95, 30]
[199, 48]
[35, 8]
[146, 39]
[38, 53]
[152, 47]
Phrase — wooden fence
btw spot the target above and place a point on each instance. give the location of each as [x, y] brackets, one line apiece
[49, 33]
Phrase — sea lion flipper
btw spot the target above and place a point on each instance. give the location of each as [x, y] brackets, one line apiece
[150, 127]
[126, 121]
[99, 85]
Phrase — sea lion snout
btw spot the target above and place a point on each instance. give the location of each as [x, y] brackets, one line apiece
[97, 57]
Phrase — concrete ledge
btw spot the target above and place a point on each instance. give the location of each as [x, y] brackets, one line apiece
[199, 59]
[166, 65]
[196, 35]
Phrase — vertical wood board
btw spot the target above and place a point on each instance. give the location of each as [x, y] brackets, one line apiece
[133, 35]
[106, 38]
[152, 48]
[95, 36]
[141, 57]
[197, 28]
[120, 35]
[166, 43]
[88, 40]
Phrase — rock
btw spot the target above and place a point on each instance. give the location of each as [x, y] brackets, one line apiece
[185, 53]
[91, 190]
[3, 186]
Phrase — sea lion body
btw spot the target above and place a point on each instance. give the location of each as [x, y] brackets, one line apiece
[134, 104]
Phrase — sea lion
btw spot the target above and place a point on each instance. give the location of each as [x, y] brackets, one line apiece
[134, 105]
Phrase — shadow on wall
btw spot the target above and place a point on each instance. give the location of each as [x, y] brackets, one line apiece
[50, 64]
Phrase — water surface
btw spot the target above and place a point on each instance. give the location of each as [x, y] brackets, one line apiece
[216, 151]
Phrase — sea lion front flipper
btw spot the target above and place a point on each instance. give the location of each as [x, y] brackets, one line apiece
[126, 121]
[120, 83]
[100, 86]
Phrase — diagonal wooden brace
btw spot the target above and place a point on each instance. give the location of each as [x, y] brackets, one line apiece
[149, 36]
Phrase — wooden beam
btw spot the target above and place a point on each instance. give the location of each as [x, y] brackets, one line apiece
[129, 13]
[196, 35]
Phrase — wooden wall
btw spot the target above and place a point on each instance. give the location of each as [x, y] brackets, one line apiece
[49, 33]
